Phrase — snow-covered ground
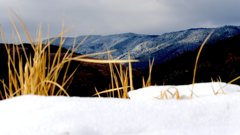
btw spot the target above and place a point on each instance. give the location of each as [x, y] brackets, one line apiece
[204, 114]
[197, 90]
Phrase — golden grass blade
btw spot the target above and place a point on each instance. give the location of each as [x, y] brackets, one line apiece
[149, 82]
[59, 86]
[130, 71]
[143, 82]
[196, 61]
[97, 93]
[110, 90]
[102, 61]
[233, 80]
[19, 38]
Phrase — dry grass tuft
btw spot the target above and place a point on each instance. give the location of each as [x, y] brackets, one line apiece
[121, 79]
[149, 82]
[170, 93]
[39, 74]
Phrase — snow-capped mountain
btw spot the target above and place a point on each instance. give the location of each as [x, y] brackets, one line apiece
[144, 47]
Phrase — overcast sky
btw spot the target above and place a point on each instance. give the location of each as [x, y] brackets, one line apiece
[120, 16]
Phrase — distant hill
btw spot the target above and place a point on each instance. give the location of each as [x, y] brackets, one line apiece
[219, 61]
[144, 47]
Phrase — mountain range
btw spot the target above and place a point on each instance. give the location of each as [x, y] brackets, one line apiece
[162, 48]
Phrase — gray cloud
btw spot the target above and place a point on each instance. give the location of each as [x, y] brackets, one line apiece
[118, 16]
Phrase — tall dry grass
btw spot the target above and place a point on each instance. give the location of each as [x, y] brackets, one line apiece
[121, 79]
[38, 74]
[196, 62]
[148, 82]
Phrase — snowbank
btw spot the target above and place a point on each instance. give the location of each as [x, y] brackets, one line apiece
[38, 115]
[199, 90]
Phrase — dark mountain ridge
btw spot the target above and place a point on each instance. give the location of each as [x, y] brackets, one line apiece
[217, 60]
[144, 47]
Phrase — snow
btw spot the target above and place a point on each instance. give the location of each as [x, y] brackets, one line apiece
[199, 90]
[206, 114]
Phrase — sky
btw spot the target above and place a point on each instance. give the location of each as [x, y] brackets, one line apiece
[83, 17]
